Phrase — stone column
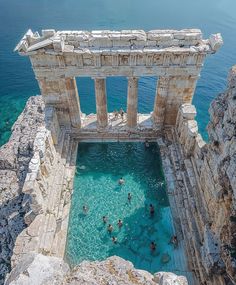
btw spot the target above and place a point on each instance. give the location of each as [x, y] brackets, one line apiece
[158, 114]
[132, 102]
[73, 102]
[62, 94]
[180, 90]
[172, 92]
[101, 102]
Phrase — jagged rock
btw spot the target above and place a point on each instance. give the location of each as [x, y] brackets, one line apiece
[14, 160]
[214, 167]
[37, 269]
[168, 278]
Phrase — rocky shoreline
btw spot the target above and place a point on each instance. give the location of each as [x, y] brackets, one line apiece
[14, 160]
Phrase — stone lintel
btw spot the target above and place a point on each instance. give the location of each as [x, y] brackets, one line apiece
[187, 38]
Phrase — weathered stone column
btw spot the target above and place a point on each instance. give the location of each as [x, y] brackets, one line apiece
[62, 94]
[132, 102]
[101, 102]
[172, 92]
[73, 102]
[180, 90]
[158, 114]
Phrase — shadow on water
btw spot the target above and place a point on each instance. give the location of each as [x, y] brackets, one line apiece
[122, 159]
[99, 166]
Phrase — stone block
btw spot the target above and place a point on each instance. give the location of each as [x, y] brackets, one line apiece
[188, 111]
[58, 44]
[48, 33]
[215, 41]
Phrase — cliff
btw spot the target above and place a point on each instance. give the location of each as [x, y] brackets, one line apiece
[211, 171]
[14, 160]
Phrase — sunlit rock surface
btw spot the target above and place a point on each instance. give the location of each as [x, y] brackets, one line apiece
[14, 160]
[38, 269]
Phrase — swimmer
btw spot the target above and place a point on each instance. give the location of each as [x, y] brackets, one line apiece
[129, 197]
[146, 143]
[152, 246]
[174, 241]
[85, 209]
[110, 228]
[121, 181]
[104, 218]
[114, 239]
[120, 224]
[151, 210]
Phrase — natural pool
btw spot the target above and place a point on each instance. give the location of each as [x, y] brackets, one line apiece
[99, 167]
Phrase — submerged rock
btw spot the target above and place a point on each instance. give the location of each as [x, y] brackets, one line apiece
[165, 258]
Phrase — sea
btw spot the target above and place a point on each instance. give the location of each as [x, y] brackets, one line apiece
[17, 81]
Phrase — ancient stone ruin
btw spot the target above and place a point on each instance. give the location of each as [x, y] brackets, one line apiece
[37, 165]
[176, 57]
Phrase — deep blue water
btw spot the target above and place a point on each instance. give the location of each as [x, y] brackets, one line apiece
[17, 81]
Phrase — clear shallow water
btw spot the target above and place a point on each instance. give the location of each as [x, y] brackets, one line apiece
[17, 81]
[99, 167]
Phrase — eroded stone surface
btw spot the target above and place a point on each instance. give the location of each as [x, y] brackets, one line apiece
[38, 269]
[58, 57]
[211, 172]
[15, 157]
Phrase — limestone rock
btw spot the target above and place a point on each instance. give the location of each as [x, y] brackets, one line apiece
[14, 160]
[38, 269]
[168, 278]
[214, 177]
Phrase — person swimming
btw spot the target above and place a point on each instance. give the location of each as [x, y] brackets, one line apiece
[104, 219]
[151, 210]
[129, 197]
[85, 209]
[146, 143]
[174, 241]
[152, 246]
[121, 181]
[110, 228]
[114, 239]
[120, 224]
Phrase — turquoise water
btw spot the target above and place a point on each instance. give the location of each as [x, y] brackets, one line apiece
[17, 80]
[99, 167]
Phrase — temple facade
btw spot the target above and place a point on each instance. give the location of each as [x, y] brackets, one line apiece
[175, 57]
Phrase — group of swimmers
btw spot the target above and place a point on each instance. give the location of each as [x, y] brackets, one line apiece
[117, 113]
[110, 228]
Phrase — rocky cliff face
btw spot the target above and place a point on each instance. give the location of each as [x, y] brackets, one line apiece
[37, 269]
[211, 171]
[221, 157]
[14, 160]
